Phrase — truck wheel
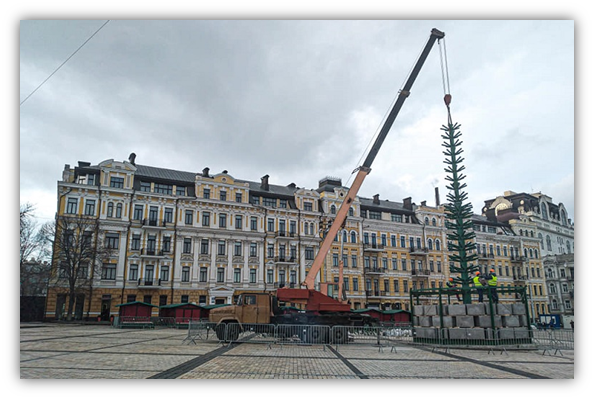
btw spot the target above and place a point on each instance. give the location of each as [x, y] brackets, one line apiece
[220, 331]
[339, 336]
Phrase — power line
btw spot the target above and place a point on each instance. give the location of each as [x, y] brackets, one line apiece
[61, 65]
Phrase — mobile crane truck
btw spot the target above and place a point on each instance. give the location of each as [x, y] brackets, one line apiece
[319, 308]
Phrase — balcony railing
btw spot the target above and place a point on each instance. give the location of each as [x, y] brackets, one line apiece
[373, 247]
[149, 282]
[284, 259]
[519, 278]
[486, 256]
[418, 250]
[153, 223]
[287, 234]
[376, 270]
[151, 252]
[518, 258]
[375, 293]
[421, 273]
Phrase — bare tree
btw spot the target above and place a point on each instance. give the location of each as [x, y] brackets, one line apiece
[34, 252]
[78, 255]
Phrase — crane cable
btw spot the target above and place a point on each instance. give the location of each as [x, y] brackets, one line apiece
[445, 77]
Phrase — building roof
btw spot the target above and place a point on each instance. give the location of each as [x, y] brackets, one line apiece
[165, 174]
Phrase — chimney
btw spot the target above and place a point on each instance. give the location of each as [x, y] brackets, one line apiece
[225, 172]
[132, 159]
[67, 175]
[407, 203]
[423, 203]
[376, 200]
[205, 172]
[437, 196]
[264, 185]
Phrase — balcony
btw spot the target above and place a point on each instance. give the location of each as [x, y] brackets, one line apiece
[486, 256]
[284, 259]
[149, 283]
[285, 234]
[420, 273]
[159, 224]
[373, 247]
[375, 270]
[151, 253]
[518, 259]
[375, 293]
[419, 251]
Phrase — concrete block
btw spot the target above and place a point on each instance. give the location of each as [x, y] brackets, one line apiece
[518, 308]
[448, 321]
[456, 310]
[429, 333]
[485, 321]
[511, 321]
[523, 320]
[506, 333]
[475, 309]
[430, 310]
[465, 321]
[504, 309]
[415, 320]
[418, 310]
[425, 321]
[467, 333]
[521, 333]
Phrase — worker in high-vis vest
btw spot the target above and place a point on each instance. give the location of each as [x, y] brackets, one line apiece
[479, 286]
[492, 283]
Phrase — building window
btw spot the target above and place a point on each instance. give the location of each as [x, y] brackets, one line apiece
[282, 203]
[206, 219]
[375, 215]
[237, 275]
[238, 222]
[220, 275]
[112, 240]
[206, 193]
[168, 215]
[203, 274]
[116, 182]
[405, 285]
[396, 218]
[223, 220]
[130, 298]
[253, 249]
[271, 202]
[269, 276]
[307, 206]
[237, 249]
[238, 197]
[223, 195]
[402, 242]
[118, 210]
[253, 223]
[252, 276]
[147, 299]
[221, 247]
[270, 251]
[145, 186]
[180, 191]
[355, 284]
[138, 211]
[133, 275]
[185, 276]
[110, 209]
[189, 217]
[403, 262]
[354, 260]
[270, 224]
[309, 253]
[108, 272]
[71, 205]
[187, 248]
[255, 200]
[135, 244]
[439, 266]
[335, 260]
[204, 247]
[164, 273]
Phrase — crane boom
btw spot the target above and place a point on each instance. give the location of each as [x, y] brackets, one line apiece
[364, 169]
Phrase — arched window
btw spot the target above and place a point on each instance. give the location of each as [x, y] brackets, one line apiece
[563, 218]
[426, 220]
[430, 244]
[541, 240]
[353, 237]
[434, 222]
[306, 226]
[437, 245]
[543, 211]
[344, 236]
[552, 288]
[333, 210]
[531, 253]
[549, 248]
[351, 211]
[536, 253]
[525, 253]
[110, 209]
[119, 210]
[568, 247]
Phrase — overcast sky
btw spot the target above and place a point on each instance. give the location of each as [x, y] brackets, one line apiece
[301, 100]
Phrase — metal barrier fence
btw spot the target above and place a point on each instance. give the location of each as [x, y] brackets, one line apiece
[382, 336]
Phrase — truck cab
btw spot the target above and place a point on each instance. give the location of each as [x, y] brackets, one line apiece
[251, 308]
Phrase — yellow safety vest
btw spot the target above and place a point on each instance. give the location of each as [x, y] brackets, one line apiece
[476, 281]
[493, 280]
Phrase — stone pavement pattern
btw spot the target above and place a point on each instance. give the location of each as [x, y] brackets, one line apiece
[63, 351]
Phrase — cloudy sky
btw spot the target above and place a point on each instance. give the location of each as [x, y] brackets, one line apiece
[300, 100]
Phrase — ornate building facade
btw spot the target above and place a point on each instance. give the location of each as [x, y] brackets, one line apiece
[200, 237]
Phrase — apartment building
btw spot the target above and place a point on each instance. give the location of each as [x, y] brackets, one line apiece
[207, 237]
